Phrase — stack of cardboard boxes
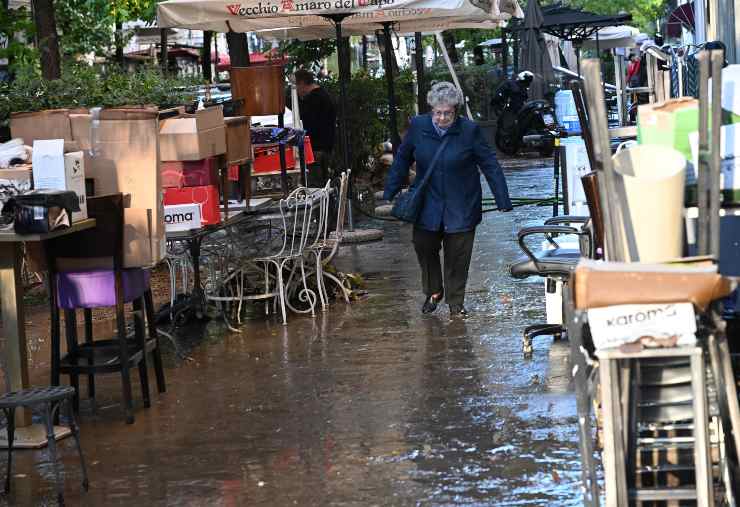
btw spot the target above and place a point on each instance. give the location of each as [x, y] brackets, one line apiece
[116, 150]
[167, 168]
[190, 144]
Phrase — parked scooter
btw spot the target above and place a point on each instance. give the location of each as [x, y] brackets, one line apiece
[521, 122]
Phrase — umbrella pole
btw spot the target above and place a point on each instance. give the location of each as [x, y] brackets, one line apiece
[343, 140]
[419, 59]
[392, 113]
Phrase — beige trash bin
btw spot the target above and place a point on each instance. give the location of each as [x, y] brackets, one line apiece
[650, 191]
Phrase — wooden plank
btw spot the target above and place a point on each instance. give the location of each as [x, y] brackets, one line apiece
[10, 236]
[613, 455]
[702, 463]
[15, 353]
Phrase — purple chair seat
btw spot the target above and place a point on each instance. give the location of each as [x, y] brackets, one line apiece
[95, 289]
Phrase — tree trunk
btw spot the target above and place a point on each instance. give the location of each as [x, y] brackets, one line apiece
[238, 49]
[364, 52]
[380, 37]
[449, 39]
[47, 38]
[119, 43]
[206, 57]
[344, 53]
[163, 50]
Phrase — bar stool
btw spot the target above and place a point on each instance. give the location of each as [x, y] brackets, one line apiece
[51, 399]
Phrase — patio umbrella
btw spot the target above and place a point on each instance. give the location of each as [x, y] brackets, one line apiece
[315, 17]
[534, 56]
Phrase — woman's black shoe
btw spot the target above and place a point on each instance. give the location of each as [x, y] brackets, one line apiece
[430, 305]
[458, 310]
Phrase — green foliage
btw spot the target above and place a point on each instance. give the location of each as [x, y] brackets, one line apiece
[82, 86]
[368, 115]
[477, 81]
[474, 36]
[307, 54]
[85, 26]
[89, 25]
[15, 24]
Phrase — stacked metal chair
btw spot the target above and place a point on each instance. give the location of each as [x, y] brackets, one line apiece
[670, 416]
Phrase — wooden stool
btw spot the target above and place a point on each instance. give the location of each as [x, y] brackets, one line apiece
[51, 398]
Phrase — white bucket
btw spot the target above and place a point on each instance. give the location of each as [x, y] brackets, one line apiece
[650, 191]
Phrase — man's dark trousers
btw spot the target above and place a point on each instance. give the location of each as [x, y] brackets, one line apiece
[458, 249]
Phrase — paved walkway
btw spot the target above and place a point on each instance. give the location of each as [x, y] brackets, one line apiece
[368, 404]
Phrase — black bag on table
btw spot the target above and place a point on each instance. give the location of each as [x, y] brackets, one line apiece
[42, 211]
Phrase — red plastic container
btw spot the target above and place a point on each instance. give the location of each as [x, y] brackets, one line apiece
[267, 160]
[192, 173]
[207, 196]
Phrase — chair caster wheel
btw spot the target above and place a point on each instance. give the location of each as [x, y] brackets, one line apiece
[86, 485]
[527, 350]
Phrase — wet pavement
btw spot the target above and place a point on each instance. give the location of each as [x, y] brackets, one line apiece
[367, 404]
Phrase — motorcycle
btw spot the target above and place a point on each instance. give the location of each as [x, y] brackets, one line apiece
[534, 126]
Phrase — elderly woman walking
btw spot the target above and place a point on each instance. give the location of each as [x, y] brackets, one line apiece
[451, 208]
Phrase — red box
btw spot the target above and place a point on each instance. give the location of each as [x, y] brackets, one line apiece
[207, 196]
[191, 173]
[267, 160]
[308, 151]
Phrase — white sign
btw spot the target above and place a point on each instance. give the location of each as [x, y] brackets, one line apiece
[182, 217]
[55, 170]
[613, 326]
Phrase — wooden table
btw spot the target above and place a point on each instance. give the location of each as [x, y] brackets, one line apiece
[15, 351]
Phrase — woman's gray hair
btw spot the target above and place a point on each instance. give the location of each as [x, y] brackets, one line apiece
[444, 93]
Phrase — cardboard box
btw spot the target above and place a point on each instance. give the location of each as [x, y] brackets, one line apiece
[13, 181]
[238, 139]
[55, 170]
[126, 159]
[193, 136]
[207, 197]
[50, 124]
[80, 123]
[138, 247]
[669, 124]
[194, 173]
[182, 217]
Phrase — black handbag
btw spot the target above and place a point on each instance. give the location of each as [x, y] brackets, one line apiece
[407, 206]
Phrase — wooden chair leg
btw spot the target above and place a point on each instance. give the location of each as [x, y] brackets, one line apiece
[70, 328]
[154, 335]
[128, 407]
[89, 340]
[76, 434]
[56, 337]
[10, 418]
[141, 343]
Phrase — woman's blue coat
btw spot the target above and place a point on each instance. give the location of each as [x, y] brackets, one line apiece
[452, 200]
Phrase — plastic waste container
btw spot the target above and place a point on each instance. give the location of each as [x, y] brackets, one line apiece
[650, 191]
[565, 111]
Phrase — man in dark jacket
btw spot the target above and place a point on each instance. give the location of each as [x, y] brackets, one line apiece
[319, 117]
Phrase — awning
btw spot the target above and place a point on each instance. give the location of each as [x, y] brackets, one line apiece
[681, 17]
[571, 24]
[612, 37]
